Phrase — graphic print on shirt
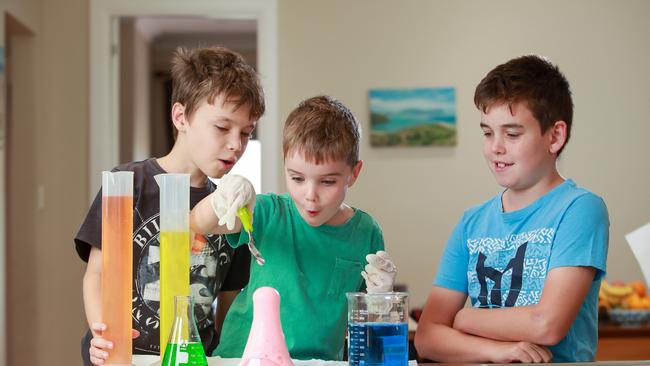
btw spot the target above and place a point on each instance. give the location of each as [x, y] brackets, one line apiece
[208, 255]
[498, 266]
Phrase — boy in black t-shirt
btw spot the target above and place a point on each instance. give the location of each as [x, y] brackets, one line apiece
[216, 102]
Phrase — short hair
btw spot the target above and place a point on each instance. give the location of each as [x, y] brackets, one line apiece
[323, 129]
[206, 73]
[533, 80]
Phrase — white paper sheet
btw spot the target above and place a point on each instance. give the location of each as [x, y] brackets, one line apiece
[639, 241]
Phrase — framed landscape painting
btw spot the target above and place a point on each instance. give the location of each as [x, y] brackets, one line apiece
[413, 117]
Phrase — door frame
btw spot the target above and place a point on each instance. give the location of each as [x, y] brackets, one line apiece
[104, 73]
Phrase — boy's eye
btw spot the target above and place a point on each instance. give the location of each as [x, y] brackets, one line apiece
[221, 128]
[247, 134]
[487, 133]
[297, 179]
[513, 135]
[328, 182]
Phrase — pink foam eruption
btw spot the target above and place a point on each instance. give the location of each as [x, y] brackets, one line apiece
[266, 345]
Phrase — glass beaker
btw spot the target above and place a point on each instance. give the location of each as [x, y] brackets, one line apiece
[377, 328]
[117, 262]
[174, 246]
[184, 345]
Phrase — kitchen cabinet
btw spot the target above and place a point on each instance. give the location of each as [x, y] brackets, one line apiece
[621, 343]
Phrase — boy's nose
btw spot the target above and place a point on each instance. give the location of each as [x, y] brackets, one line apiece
[234, 143]
[497, 146]
[311, 195]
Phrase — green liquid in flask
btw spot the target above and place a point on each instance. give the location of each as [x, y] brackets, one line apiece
[184, 354]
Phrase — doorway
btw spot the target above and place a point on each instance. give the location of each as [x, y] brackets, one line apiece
[147, 44]
[105, 16]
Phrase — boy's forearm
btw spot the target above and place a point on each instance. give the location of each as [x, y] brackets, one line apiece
[522, 323]
[545, 323]
[92, 287]
[444, 344]
[202, 217]
[92, 296]
[204, 220]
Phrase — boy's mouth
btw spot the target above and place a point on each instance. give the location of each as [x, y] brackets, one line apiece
[312, 213]
[227, 163]
[500, 166]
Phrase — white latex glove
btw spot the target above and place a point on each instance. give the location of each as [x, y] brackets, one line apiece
[379, 273]
[233, 192]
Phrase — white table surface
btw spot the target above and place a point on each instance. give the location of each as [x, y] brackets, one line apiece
[150, 360]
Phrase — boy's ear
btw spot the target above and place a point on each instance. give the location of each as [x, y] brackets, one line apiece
[355, 173]
[178, 117]
[557, 136]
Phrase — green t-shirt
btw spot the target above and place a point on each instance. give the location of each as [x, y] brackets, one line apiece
[312, 268]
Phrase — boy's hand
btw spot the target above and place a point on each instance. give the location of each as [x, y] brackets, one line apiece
[521, 352]
[379, 273]
[99, 345]
[233, 192]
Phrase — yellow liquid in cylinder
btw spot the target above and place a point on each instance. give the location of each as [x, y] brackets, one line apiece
[174, 277]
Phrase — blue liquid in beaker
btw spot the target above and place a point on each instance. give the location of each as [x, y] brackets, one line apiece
[372, 344]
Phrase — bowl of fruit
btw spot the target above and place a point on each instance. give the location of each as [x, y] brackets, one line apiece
[625, 304]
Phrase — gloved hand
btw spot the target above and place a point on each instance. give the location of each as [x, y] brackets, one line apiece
[233, 192]
[379, 273]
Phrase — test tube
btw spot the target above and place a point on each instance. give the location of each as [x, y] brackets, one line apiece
[174, 247]
[117, 260]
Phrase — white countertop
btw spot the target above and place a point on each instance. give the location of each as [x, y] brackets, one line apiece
[150, 360]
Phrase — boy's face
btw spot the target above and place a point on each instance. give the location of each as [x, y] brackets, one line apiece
[216, 135]
[516, 151]
[318, 190]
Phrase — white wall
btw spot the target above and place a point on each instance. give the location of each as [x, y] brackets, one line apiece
[345, 48]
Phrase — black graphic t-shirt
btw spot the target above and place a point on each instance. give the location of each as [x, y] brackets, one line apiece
[214, 265]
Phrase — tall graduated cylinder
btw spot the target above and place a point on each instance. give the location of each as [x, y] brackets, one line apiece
[377, 329]
[174, 247]
[117, 260]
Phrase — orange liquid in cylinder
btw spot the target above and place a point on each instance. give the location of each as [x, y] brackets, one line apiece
[117, 275]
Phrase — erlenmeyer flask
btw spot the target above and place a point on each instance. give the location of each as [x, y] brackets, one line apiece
[266, 345]
[184, 346]
[174, 246]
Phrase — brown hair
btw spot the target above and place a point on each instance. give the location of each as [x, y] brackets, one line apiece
[323, 129]
[206, 73]
[533, 80]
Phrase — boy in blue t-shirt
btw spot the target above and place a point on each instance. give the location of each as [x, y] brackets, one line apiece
[313, 243]
[532, 257]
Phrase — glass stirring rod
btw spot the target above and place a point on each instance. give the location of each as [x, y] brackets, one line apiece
[246, 220]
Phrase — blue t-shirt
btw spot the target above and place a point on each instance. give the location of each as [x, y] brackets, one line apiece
[501, 259]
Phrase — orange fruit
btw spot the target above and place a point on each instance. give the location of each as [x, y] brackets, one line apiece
[639, 287]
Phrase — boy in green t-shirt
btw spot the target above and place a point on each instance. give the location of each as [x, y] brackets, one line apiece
[313, 243]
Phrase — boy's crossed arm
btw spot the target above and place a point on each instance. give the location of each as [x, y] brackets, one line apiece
[545, 323]
[437, 338]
